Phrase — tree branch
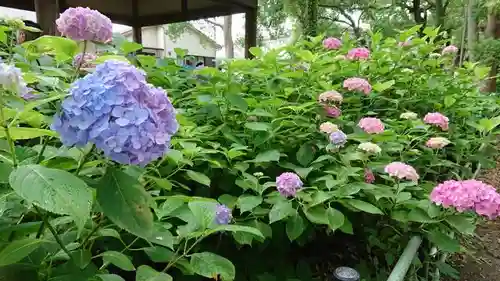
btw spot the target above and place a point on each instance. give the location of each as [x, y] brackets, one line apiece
[214, 23]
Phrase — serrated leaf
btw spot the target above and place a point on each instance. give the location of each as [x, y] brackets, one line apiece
[380, 87]
[305, 154]
[248, 202]
[258, 126]
[24, 133]
[295, 226]
[171, 204]
[53, 190]
[462, 223]
[267, 156]
[335, 218]
[198, 177]
[204, 212]
[18, 250]
[444, 242]
[364, 206]
[281, 210]
[146, 273]
[237, 101]
[209, 265]
[118, 259]
[124, 202]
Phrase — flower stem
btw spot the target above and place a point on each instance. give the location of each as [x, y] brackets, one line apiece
[172, 263]
[53, 231]
[8, 137]
[83, 160]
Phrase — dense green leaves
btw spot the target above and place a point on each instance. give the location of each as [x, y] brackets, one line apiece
[54, 190]
[125, 203]
[118, 259]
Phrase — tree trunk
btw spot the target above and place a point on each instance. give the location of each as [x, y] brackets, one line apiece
[490, 32]
[228, 36]
[311, 26]
[471, 29]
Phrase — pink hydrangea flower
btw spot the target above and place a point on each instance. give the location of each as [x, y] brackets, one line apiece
[288, 184]
[357, 84]
[468, 195]
[437, 119]
[402, 171]
[358, 53]
[452, 49]
[369, 176]
[85, 24]
[333, 111]
[371, 125]
[437, 142]
[330, 96]
[332, 43]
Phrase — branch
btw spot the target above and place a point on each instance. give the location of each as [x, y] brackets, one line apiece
[336, 20]
[214, 23]
[342, 12]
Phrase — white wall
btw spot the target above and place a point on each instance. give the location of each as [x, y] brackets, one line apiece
[155, 37]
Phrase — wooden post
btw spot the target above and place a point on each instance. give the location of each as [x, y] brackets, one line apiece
[47, 11]
[250, 31]
[136, 27]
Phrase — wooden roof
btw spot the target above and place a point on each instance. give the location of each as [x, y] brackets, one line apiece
[150, 12]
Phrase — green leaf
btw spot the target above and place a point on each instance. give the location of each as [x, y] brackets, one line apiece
[238, 101]
[462, 223]
[124, 202]
[267, 156]
[110, 277]
[24, 133]
[258, 126]
[305, 154]
[347, 227]
[128, 47]
[146, 273]
[364, 206]
[380, 87]
[118, 259]
[203, 211]
[335, 218]
[281, 210]
[317, 214]
[239, 228]
[443, 241]
[449, 101]
[198, 177]
[256, 51]
[5, 170]
[248, 202]
[102, 59]
[18, 250]
[295, 226]
[59, 46]
[171, 204]
[448, 270]
[419, 215]
[56, 191]
[162, 236]
[31, 117]
[210, 265]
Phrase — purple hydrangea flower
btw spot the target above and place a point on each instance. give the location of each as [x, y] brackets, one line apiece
[28, 95]
[11, 79]
[338, 138]
[84, 60]
[223, 214]
[288, 184]
[85, 24]
[115, 109]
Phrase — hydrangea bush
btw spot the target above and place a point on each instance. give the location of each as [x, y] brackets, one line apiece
[129, 168]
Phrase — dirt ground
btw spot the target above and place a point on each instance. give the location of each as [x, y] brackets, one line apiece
[483, 263]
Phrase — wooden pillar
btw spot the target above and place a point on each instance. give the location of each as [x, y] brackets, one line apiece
[47, 11]
[137, 34]
[250, 30]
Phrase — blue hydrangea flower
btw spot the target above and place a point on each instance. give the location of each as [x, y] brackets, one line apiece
[118, 111]
[223, 214]
[338, 138]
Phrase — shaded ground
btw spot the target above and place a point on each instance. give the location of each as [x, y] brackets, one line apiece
[483, 264]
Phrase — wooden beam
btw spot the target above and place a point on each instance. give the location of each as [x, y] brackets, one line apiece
[28, 5]
[196, 14]
[250, 31]
[47, 11]
[235, 3]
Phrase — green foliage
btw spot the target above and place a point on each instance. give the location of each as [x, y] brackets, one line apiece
[71, 214]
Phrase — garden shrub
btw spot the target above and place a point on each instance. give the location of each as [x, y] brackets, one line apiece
[305, 149]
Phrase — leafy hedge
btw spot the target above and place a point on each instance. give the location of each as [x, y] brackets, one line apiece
[71, 214]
